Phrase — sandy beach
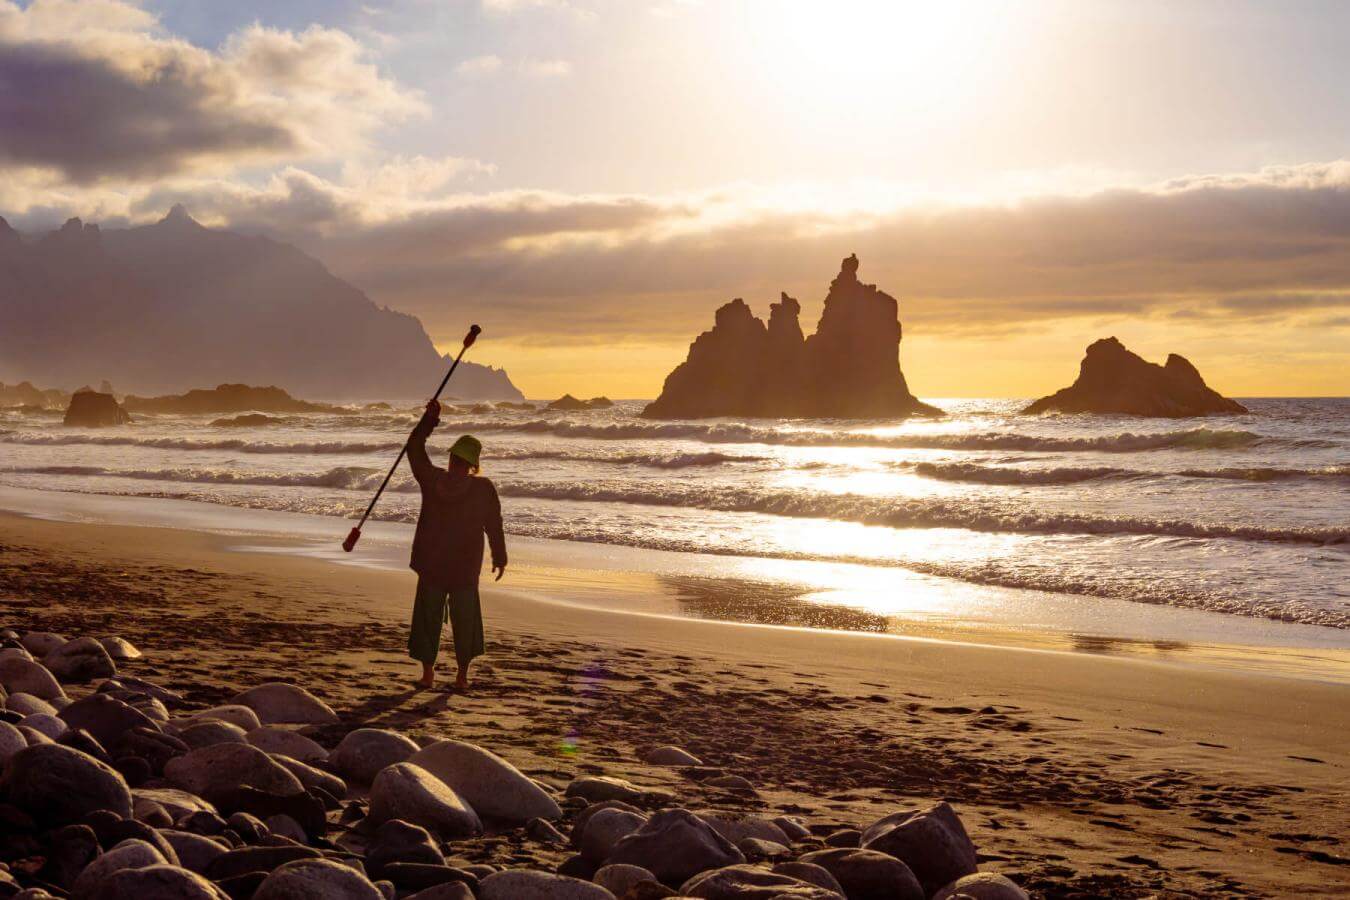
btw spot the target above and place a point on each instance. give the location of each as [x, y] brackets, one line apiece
[1077, 774]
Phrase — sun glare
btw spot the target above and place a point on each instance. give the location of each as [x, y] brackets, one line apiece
[884, 53]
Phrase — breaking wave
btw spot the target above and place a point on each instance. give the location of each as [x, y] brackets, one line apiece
[975, 473]
[973, 515]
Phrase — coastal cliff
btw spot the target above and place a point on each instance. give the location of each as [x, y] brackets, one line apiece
[849, 368]
[158, 306]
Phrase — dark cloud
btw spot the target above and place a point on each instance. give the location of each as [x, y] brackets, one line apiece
[90, 119]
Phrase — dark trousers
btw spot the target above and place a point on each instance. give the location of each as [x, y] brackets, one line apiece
[433, 606]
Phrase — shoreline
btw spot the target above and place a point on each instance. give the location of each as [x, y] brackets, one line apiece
[1069, 768]
[816, 597]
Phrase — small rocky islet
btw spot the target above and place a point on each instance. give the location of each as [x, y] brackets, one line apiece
[115, 788]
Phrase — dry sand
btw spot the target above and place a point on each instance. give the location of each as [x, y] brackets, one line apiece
[1078, 775]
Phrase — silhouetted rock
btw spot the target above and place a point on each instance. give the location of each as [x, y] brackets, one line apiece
[1111, 379]
[567, 403]
[225, 398]
[157, 305]
[28, 397]
[849, 368]
[90, 409]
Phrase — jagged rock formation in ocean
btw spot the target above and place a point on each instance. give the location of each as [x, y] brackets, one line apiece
[850, 368]
[567, 403]
[25, 393]
[94, 409]
[1111, 379]
[163, 306]
[226, 398]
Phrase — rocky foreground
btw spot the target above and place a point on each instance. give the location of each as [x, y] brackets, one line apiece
[116, 787]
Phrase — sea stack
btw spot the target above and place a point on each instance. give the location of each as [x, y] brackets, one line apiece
[850, 368]
[93, 409]
[1111, 379]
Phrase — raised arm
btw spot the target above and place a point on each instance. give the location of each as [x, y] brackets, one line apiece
[422, 468]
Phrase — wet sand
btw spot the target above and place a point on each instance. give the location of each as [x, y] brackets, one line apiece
[1078, 774]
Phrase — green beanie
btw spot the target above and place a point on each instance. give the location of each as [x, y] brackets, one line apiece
[467, 448]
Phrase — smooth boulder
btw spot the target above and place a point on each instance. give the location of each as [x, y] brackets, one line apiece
[751, 883]
[316, 879]
[210, 732]
[120, 648]
[129, 854]
[397, 841]
[674, 846]
[670, 756]
[364, 752]
[195, 851]
[982, 886]
[492, 786]
[234, 713]
[106, 718]
[931, 841]
[617, 879]
[23, 676]
[57, 784]
[40, 643]
[11, 741]
[27, 705]
[407, 791]
[524, 884]
[80, 661]
[311, 777]
[868, 874]
[596, 788]
[158, 883]
[279, 702]
[605, 829]
[220, 769]
[271, 739]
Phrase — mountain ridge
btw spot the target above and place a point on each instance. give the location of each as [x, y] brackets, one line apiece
[158, 306]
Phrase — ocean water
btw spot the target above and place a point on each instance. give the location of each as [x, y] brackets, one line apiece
[1242, 515]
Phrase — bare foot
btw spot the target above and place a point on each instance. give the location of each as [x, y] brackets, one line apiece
[428, 679]
[462, 684]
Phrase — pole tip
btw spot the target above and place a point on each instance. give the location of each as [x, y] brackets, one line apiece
[352, 537]
[469, 338]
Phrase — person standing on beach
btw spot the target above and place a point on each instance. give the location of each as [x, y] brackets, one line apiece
[458, 508]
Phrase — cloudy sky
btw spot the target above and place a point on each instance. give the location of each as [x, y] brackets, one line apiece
[589, 179]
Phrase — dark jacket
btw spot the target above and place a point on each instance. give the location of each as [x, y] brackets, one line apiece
[456, 512]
